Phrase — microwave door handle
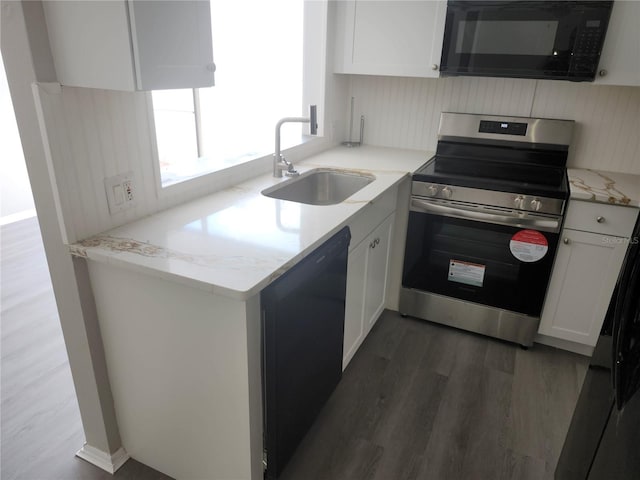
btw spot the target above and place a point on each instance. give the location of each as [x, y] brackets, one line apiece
[547, 224]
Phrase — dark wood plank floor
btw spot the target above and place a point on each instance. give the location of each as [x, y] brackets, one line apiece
[423, 401]
[418, 401]
[40, 422]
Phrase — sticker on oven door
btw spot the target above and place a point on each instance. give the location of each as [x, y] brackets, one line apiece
[529, 246]
[467, 273]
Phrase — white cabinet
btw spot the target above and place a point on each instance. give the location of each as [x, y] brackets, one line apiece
[131, 45]
[375, 283]
[591, 251]
[367, 274]
[391, 37]
[620, 58]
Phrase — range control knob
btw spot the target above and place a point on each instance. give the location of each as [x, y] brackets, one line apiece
[432, 190]
[447, 192]
[535, 204]
[518, 201]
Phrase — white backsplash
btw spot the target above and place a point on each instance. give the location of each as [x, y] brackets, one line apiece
[94, 134]
[404, 112]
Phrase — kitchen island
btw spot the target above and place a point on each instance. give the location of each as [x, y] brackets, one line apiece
[177, 298]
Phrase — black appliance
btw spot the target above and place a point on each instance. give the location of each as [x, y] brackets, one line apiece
[603, 441]
[484, 223]
[302, 340]
[554, 39]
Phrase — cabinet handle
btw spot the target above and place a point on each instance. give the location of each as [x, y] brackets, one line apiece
[434, 66]
[600, 219]
[603, 73]
[566, 241]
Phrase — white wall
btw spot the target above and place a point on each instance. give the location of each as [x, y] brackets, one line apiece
[404, 112]
[15, 189]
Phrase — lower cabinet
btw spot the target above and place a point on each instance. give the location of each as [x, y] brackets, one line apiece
[367, 274]
[584, 276]
[593, 245]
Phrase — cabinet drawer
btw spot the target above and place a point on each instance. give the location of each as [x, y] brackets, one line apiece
[600, 218]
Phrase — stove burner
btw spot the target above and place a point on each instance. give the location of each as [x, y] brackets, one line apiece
[528, 162]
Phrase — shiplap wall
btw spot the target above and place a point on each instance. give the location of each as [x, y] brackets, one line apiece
[94, 134]
[405, 112]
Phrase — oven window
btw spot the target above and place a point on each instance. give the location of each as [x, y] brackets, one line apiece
[525, 37]
[472, 261]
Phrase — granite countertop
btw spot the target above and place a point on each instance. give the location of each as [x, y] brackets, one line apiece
[605, 187]
[237, 241]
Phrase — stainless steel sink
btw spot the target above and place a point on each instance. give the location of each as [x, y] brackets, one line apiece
[320, 187]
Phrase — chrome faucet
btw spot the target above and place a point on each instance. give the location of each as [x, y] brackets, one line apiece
[279, 162]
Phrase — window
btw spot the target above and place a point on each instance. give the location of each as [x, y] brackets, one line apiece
[258, 55]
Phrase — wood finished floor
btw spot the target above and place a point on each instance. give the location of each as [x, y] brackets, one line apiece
[40, 422]
[423, 401]
[418, 401]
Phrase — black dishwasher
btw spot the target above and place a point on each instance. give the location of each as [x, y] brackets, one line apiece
[302, 338]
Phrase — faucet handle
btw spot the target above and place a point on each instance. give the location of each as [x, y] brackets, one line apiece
[313, 119]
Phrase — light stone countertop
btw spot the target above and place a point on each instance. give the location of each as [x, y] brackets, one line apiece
[604, 187]
[237, 241]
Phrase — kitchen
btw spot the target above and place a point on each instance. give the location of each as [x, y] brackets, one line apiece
[400, 112]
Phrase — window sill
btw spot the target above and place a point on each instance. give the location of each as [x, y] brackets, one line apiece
[211, 178]
[205, 166]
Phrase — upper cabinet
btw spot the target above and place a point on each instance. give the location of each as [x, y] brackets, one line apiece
[620, 58]
[131, 45]
[399, 38]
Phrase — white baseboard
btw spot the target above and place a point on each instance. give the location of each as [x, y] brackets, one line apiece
[564, 345]
[107, 462]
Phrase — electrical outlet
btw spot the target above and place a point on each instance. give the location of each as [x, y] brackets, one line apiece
[120, 190]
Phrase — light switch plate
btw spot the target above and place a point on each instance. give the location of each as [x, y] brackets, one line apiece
[120, 190]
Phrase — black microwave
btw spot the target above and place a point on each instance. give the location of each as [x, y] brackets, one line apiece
[552, 39]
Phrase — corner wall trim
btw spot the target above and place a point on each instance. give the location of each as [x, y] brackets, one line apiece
[108, 463]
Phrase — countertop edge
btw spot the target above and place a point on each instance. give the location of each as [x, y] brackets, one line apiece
[87, 248]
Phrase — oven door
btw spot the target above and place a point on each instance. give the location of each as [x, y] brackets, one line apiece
[534, 39]
[485, 255]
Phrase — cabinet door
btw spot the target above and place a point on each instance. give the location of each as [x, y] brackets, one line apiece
[131, 45]
[353, 314]
[377, 272]
[584, 276]
[620, 59]
[172, 43]
[391, 37]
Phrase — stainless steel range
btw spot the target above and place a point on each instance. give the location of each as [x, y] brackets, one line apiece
[484, 223]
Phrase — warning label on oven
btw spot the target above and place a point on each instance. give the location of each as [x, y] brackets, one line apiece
[467, 273]
[529, 245]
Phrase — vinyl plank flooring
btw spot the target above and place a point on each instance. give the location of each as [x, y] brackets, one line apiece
[425, 401]
[518, 467]
[488, 427]
[41, 428]
[449, 438]
[500, 356]
[545, 390]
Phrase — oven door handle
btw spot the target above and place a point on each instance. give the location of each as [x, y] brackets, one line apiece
[538, 222]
